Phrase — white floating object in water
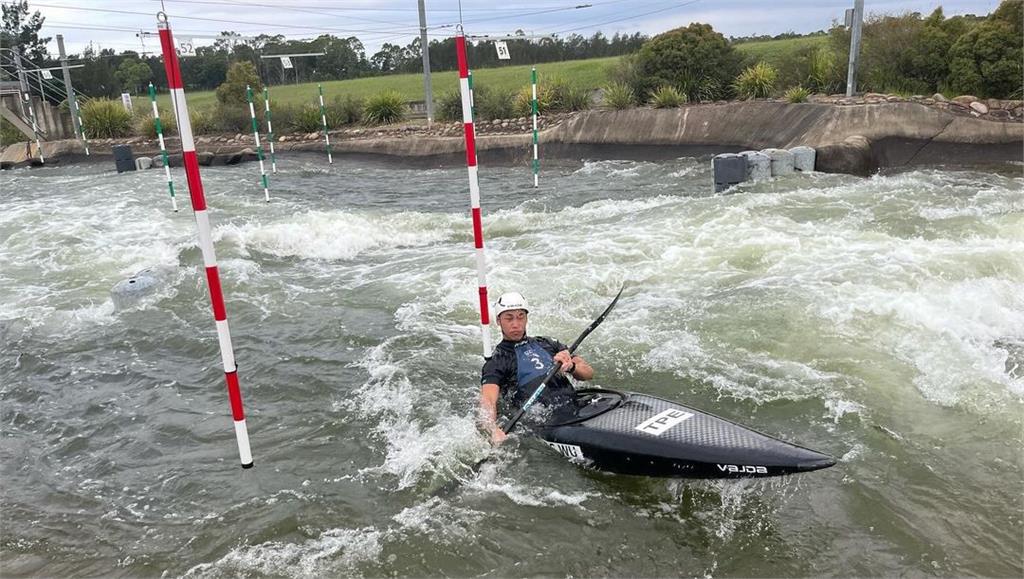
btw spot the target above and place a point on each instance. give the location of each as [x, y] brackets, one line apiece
[782, 161]
[803, 158]
[128, 292]
[759, 166]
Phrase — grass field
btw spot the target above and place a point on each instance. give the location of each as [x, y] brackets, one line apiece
[591, 73]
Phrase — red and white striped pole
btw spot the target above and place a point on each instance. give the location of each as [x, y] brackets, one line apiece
[474, 189]
[195, 189]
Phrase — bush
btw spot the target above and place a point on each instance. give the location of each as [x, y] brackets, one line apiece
[695, 59]
[9, 134]
[667, 97]
[145, 124]
[202, 122]
[307, 120]
[345, 111]
[232, 118]
[824, 74]
[627, 71]
[797, 94]
[523, 107]
[757, 81]
[987, 60]
[572, 98]
[449, 106]
[492, 104]
[106, 119]
[619, 96]
[240, 75]
[384, 108]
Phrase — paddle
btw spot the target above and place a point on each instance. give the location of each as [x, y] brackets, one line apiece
[554, 369]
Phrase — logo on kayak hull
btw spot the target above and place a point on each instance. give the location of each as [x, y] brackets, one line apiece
[742, 469]
[659, 423]
[566, 450]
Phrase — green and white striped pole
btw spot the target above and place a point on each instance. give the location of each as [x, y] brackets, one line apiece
[536, 159]
[163, 147]
[35, 127]
[259, 147]
[270, 129]
[81, 127]
[323, 118]
[472, 103]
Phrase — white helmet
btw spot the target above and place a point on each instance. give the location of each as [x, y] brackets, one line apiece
[510, 301]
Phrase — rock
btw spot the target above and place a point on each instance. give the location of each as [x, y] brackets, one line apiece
[239, 136]
[939, 98]
[158, 161]
[204, 158]
[782, 161]
[759, 166]
[896, 99]
[853, 156]
[803, 158]
[999, 114]
[979, 107]
[143, 163]
[875, 95]
[928, 101]
[965, 99]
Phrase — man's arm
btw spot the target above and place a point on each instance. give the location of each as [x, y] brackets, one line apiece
[489, 412]
[574, 365]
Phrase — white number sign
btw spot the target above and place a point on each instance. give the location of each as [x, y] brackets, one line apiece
[47, 75]
[286, 62]
[502, 49]
[186, 46]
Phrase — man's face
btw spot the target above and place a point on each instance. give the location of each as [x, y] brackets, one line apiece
[513, 324]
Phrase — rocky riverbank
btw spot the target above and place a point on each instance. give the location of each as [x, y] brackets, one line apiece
[853, 135]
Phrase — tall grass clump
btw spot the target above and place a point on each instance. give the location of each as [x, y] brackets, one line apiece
[619, 96]
[573, 98]
[203, 122]
[449, 106]
[492, 104]
[797, 94]
[384, 108]
[667, 97]
[145, 124]
[307, 120]
[523, 107]
[346, 111]
[232, 118]
[106, 119]
[757, 81]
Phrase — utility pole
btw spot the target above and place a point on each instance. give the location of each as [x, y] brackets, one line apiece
[72, 100]
[855, 31]
[425, 49]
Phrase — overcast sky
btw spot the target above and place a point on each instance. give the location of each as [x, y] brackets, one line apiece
[114, 23]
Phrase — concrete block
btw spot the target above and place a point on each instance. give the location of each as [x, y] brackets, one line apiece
[803, 159]
[782, 161]
[729, 169]
[143, 163]
[759, 166]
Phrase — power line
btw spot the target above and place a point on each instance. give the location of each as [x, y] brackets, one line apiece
[624, 19]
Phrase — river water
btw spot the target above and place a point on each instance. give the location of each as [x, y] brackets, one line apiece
[880, 320]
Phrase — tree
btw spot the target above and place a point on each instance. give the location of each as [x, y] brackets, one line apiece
[21, 31]
[987, 60]
[240, 75]
[695, 59]
[132, 75]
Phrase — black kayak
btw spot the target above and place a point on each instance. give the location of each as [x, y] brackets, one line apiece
[637, 434]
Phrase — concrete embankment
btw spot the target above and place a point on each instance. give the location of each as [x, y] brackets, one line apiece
[856, 139]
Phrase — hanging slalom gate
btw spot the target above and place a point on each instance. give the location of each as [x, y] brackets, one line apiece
[195, 188]
[259, 146]
[163, 147]
[270, 129]
[35, 127]
[474, 189]
[533, 105]
[323, 119]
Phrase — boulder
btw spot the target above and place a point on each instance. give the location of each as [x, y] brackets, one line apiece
[205, 158]
[852, 156]
[143, 163]
[782, 161]
[965, 99]
[803, 159]
[980, 107]
[939, 98]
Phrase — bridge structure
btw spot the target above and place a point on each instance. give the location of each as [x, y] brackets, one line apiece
[23, 84]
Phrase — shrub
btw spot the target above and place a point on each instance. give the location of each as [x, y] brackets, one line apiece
[573, 98]
[523, 107]
[384, 108]
[283, 116]
[145, 124]
[449, 106]
[757, 81]
[202, 122]
[667, 97]
[987, 60]
[345, 111]
[492, 104]
[797, 94]
[106, 119]
[9, 134]
[232, 118]
[627, 71]
[823, 72]
[685, 58]
[240, 75]
[307, 120]
[619, 96]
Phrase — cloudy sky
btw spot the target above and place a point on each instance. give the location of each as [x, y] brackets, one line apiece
[114, 23]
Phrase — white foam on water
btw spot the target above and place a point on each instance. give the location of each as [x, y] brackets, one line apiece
[614, 168]
[336, 235]
[442, 521]
[332, 552]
